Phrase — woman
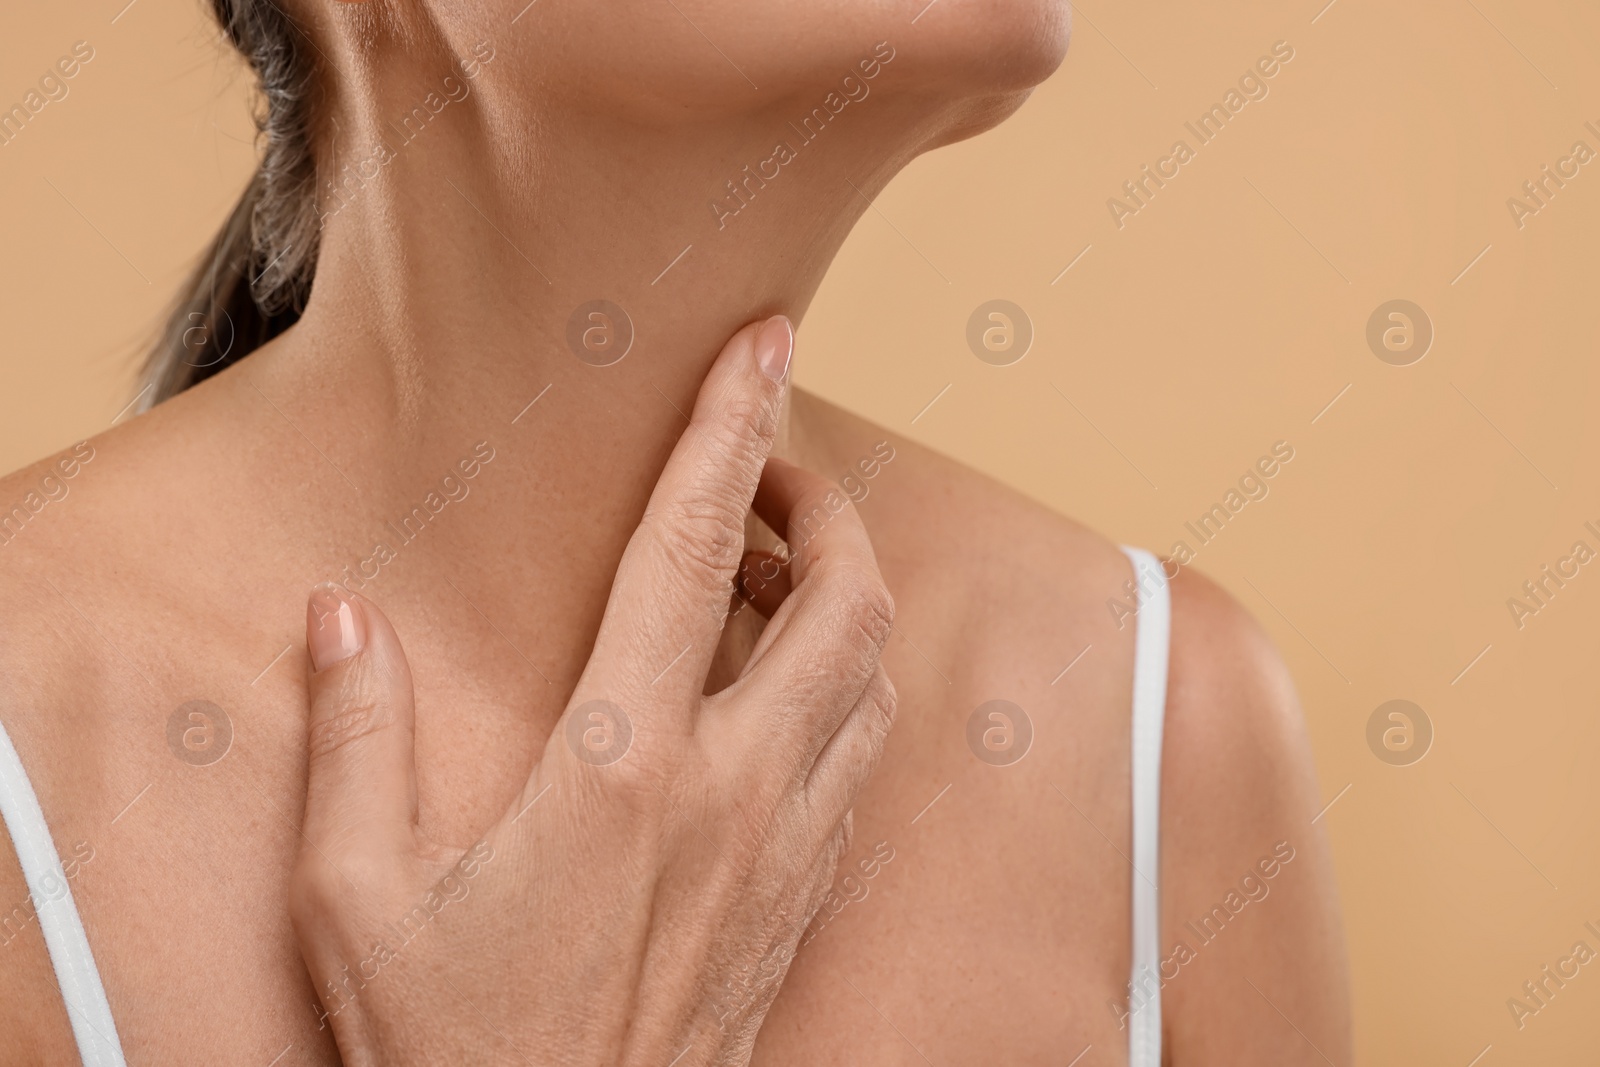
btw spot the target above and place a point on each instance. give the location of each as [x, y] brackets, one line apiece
[464, 184]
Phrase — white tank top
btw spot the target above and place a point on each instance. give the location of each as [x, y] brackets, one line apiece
[1154, 629]
[51, 898]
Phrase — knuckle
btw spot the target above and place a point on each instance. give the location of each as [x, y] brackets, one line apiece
[746, 423]
[702, 536]
[339, 872]
[807, 521]
[863, 753]
[883, 703]
[335, 891]
[315, 897]
[355, 715]
[830, 845]
[636, 782]
[845, 836]
[869, 607]
[638, 789]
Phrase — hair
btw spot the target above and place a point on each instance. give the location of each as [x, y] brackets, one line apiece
[253, 281]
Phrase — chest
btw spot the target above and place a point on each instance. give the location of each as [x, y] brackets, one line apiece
[980, 915]
[970, 923]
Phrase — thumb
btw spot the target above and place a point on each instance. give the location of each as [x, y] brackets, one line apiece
[361, 788]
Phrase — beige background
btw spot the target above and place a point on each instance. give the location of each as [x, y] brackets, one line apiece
[1224, 316]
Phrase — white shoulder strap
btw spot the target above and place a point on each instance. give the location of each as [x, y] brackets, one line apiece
[51, 898]
[1154, 626]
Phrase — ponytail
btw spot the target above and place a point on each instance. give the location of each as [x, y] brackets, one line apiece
[252, 283]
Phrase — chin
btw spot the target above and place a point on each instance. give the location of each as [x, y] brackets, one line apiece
[659, 68]
[991, 48]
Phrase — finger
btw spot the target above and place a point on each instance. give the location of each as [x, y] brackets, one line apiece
[844, 836]
[811, 514]
[670, 596]
[361, 785]
[831, 852]
[763, 581]
[851, 755]
[815, 658]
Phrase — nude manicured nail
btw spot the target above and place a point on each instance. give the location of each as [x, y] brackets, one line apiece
[336, 629]
[774, 346]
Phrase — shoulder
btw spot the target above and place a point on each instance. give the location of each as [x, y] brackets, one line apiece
[51, 528]
[1238, 778]
[1011, 572]
[1234, 724]
[989, 561]
[85, 540]
[26, 495]
[42, 664]
[1251, 931]
[1003, 595]
[36, 535]
[95, 505]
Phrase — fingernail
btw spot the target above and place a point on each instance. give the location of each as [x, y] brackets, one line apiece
[335, 627]
[774, 346]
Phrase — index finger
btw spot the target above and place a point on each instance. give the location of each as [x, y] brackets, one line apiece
[670, 597]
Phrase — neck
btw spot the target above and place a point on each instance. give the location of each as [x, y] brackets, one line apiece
[457, 246]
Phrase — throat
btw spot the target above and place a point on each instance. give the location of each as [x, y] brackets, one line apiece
[497, 360]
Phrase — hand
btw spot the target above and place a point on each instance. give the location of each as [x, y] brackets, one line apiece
[640, 902]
